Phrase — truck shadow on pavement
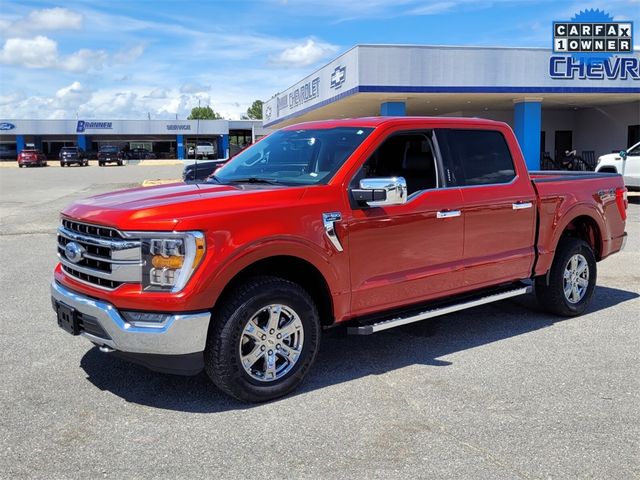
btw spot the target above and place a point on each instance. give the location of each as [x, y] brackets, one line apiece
[421, 343]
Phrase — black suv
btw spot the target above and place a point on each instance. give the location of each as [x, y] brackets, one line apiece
[70, 155]
[110, 154]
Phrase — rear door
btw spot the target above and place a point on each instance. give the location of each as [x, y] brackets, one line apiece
[498, 206]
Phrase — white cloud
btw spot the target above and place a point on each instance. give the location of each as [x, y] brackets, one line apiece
[38, 52]
[129, 55]
[304, 54]
[84, 60]
[194, 88]
[157, 93]
[434, 8]
[52, 19]
[42, 52]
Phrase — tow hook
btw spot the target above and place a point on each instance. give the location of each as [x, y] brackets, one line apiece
[105, 349]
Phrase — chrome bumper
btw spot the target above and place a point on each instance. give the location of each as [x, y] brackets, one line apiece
[180, 334]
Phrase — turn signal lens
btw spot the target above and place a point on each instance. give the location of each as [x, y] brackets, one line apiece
[158, 261]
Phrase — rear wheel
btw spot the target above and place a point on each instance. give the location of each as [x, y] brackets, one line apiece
[264, 339]
[572, 279]
[62, 164]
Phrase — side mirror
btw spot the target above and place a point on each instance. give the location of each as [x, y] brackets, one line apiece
[381, 192]
[623, 154]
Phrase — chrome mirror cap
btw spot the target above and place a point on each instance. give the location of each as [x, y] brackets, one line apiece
[395, 189]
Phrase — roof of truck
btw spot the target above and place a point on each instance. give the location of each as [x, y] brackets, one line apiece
[377, 121]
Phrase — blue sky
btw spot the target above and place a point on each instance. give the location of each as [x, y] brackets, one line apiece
[117, 59]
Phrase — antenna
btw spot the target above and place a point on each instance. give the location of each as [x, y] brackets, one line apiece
[195, 150]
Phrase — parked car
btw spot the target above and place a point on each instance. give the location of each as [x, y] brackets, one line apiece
[110, 154]
[8, 152]
[140, 154]
[200, 171]
[359, 222]
[626, 163]
[205, 150]
[72, 155]
[32, 158]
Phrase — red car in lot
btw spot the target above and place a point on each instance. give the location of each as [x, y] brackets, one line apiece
[371, 223]
[32, 158]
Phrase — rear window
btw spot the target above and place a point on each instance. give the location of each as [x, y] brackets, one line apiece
[69, 149]
[477, 157]
[109, 149]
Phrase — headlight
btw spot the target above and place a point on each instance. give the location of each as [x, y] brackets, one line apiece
[169, 259]
[599, 160]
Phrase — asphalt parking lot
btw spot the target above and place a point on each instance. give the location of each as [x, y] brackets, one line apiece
[501, 391]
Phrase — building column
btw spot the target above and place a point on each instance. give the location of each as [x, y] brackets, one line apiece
[37, 142]
[83, 142]
[527, 116]
[180, 147]
[393, 109]
[223, 146]
[20, 144]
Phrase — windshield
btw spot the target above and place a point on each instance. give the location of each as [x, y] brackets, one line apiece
[69, 149]
[295, 157]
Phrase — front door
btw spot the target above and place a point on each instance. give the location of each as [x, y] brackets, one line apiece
[405, 253]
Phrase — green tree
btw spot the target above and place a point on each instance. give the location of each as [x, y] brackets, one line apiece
[204, 113]
[254, 112]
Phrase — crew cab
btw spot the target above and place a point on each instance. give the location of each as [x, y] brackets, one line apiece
[369, 223]
[71, 155]
[626, 163]
[205, 150]
[110, 154]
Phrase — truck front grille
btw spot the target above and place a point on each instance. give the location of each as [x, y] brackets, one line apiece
[108, 258]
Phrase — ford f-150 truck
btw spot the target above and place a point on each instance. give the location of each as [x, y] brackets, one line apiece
[369, 223]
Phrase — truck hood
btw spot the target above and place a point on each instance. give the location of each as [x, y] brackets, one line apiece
[176, 206]
[610, 157]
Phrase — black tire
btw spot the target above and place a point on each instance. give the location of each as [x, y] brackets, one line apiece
[222, 352]
[100, 164]
[552, 296]
[120, 163]
[62, 164]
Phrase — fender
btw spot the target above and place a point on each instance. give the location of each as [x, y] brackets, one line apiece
[581, 209]
[323, 260]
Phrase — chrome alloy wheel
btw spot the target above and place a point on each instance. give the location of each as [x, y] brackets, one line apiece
[271, 343]
[576, 278]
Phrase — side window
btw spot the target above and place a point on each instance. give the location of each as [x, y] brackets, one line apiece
[476, 157]
[408, 155]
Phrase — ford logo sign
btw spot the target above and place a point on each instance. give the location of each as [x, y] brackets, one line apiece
[7, 126]
[73, 252]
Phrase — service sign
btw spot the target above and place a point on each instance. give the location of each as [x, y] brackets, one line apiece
[592, 46]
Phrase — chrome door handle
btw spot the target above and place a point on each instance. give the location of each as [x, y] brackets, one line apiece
[448, 213]
[521, 205]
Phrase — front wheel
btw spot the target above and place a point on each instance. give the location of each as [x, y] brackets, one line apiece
[263, 340]
[572, 279]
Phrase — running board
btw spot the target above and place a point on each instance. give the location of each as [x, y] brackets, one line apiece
[436, 312]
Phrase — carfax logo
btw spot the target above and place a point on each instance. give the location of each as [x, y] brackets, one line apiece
[7, 126]
[83, 125]
[593, 47]
[338, 77]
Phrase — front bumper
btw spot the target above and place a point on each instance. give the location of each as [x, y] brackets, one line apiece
[180, 334]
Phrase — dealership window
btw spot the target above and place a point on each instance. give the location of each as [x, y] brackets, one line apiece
[407, 155]
[633, 135]
[476, 157]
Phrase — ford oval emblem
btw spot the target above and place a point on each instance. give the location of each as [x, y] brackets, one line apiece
[73, 252]
[7, 126]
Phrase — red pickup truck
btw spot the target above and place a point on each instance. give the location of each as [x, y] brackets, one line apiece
[371, 223]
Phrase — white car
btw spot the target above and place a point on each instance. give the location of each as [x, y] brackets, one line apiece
[205, 150]
[626, 163]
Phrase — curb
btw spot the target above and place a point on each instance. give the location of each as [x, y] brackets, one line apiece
[94, 163]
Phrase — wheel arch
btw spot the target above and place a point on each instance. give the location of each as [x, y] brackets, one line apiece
[585, 227]
[294, 269]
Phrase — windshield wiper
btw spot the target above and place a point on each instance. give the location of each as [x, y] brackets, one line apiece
[254, 180]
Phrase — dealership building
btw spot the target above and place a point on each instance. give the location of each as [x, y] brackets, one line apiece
[554, 102]
[165, 138]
